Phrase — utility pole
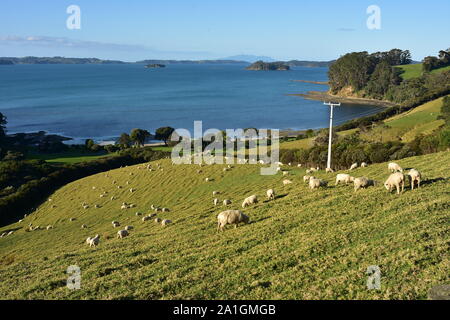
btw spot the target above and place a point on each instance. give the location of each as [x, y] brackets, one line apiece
[331, 130]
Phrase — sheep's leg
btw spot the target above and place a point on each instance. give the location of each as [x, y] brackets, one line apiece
[403, 186]
[398, 188]
[418, 183]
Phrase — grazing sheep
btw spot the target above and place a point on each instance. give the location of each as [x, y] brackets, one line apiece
[306, 178]
[138, 214]
[93, 242]
[85, 206]
[226, 202]
[249, 200]
[146, 218]
[3, 235]
[344, 178]
[207, 179]
[363, 165]
[115, 224]
[83, 226]
[132, 206]
[362, 183]
[393, 167]
[216, 193]
[157, 209]
[231, 217]
[132, 190]
[354, 166]
[165, 222]
[216, 201]
[122, 234]
[97, 206]
[396, 180]
[72, 219]
[128, 228]
[113, 198]
[414, 176]
[225, 169]
[286, 182]
[278, 169]
[270, 194]
[317, 183]
[165, 210]
[158, 220]
[299, 165]
[308, 171]
[329, 170]
[285, 173]
[124, 206]
[49, 227]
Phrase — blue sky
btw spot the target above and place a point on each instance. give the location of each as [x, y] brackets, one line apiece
[207, 29]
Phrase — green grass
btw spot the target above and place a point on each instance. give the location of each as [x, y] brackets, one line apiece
[415, 70]
[303, 245]
[68, 156]
[406, 126]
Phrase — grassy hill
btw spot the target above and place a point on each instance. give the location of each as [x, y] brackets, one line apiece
[415, 70]
[303, 245]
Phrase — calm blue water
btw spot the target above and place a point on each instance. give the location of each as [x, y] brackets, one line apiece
[102, 101]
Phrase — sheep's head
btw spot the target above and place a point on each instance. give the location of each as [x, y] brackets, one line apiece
[245, 219]
[352, 179]
[386, 185]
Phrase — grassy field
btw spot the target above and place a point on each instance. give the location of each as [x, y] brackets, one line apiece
[303, 245]
[415, 70]
[68, 156]
[406, 126]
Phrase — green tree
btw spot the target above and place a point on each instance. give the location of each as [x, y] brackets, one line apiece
[3, 123]
[382, 79]
[124, 140]
[138, 136]
[89, 143]
[164, 133]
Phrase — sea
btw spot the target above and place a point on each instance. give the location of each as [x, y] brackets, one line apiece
[102, 101]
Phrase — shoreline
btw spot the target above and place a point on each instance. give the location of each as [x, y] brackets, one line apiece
[325, 96]
[313, 82]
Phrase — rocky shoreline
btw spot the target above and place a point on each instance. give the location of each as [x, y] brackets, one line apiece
[325, 96]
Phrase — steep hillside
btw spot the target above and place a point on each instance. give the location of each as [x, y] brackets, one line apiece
[416, 70]
[303, 245]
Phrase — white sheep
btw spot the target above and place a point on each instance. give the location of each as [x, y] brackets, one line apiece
[344, 178]
[307, 177]
[49, 227]
[122, 234]
[124, 206]
[285, 173]
[226, 202]
[396, 180]
[250, 200]
[299, 165]
[138, 214]
[363, 164]
[83, 226]
[93, 242]
[115, 224]
[158, 220]
[270, 194]
[72, 219]
[414, 176]
[207, 179]
[165, 222]
[231, 217]
[362, 183]
[317, 183]
[216, 201]
[354, 166]
[146, 218]
[128, 228]
[393, 167]
[165, 210]
[286, 182]
[216, 193]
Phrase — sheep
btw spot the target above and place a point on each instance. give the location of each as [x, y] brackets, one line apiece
[270, 194]
[122, 234]
[10, 233]
[231, 217]
[165, 222]
[289, 164]
[278, 169]
[362, 183]
[308, 171]
[93, 242]
[225, 169]
[363, 165]
[128, 228]
[216, 201]
[317, 183]
[138, 214]
[85, 207]
[216, 193]
[226, 202]
[72, 219]
[249, 200]
[393, 167]
[158, 220]
[344, 178]
[146, 218]
[132, 190]
[97, 206]
[329, 170]
[132, 206]
[49, 227]
[113, 198]
[124, 206]
[307, 177]
[83, 226]
[285, 173]
[299, 165]
[115, 224]
[165, 210]
[207, 179]
[3, 235]
[286, 182]
[354, 166]
[158, 209]
[396, 180]
[414, 176]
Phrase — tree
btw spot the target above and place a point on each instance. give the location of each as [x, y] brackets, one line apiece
[124, 140]
[164, 133]
[430, 63]
[89, 143]
[382, 79]
[138, 136]
[3, 123]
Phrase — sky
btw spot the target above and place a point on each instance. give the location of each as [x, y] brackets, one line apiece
[211, 29]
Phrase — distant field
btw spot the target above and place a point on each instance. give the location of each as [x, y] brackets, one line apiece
[406, 126]
[67, 157]
[415, 70]
[303, 245]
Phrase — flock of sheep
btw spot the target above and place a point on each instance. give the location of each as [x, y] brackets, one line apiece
[395, 180]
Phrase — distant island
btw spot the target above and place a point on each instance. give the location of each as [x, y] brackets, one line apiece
[190, 62]
[268, 66]
[155, 65]
[58, 60]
